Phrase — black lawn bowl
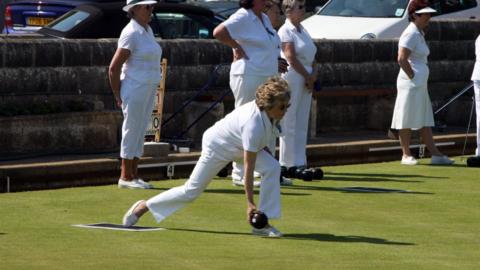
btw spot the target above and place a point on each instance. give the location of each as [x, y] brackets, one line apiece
[259, 220]
[317, 173]
[306, 175]
[473, 162]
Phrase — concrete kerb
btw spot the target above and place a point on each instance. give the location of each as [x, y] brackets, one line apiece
[98, 170]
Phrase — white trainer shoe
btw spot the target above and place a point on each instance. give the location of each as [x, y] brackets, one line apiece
[268, 231]
[441, 160]
[409, 161]
[284, 181]
[143, 183]
[134, 184]
[130, 219]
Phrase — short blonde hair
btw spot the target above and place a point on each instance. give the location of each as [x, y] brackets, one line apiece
[288, 5]
[274, 90]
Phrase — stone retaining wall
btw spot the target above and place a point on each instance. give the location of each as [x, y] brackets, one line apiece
[358, 76]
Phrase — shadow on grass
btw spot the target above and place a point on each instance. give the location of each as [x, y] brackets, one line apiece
[462, 165]
[366, 179]
[240, 191]
[387, 175]
[344, 190]
[371, 177]
[1, 233]
[310, 236]
[205, 231]
[343, 238]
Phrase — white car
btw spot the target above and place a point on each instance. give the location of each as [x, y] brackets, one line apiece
[365, 19]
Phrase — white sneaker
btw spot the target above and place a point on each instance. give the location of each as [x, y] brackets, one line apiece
[409, 161]
[134, 184]
[284, 181]
[130, 219]
[441, 160]
[241, 183]
[268, 231]
[143, 183]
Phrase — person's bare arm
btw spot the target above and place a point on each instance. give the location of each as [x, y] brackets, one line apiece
[403, 55]
[221, 33]
[249, 159]
[114, 70]
[288, 49]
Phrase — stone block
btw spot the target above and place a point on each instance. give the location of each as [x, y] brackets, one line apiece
[154, 149]
[76, 53]
[48, 54]
[67, 133]
[19, 53]
[343, 51]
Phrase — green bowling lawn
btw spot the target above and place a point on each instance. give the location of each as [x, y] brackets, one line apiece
[435, 226]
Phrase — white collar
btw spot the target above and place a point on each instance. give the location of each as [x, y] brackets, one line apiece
[289, 25]
[416, 29]
[138, 27]
[269, 126]
[253, 17]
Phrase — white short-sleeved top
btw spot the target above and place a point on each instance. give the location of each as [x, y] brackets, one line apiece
[412, 38]
[476, 69]
[143, 65]
[245, 128]
[259, 41]
[305, 49]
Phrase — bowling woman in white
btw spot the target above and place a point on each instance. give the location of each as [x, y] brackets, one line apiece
[242, 136]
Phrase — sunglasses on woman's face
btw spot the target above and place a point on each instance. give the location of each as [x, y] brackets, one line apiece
[283, 107]
[148, 6]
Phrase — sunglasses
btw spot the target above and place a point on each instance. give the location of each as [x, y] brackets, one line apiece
[283, 107]
[148, 6]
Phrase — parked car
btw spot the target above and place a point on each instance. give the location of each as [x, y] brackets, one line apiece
[365, 19]
[106, 20]
[27, 16]
[224, 8]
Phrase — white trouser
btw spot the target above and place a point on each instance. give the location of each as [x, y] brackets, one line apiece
[244, 88]
[476, 88]
[209, 164]
[293, 140]
[137, 106]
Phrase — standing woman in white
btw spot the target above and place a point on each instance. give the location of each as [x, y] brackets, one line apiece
[242, 136]
[134, 74]
[413, 109]
[476, 87]
[299, 50]
[256, 49]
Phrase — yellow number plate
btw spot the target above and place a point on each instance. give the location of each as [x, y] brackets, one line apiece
[38, 21]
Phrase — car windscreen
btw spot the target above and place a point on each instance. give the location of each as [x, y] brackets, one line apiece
[365, 8]
[69, 20]
[171, 25]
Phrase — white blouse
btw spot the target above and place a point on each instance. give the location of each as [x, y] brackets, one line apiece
[259, 41]
[143, 64]
[305, 49]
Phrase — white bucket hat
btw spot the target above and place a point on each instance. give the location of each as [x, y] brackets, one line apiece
[425, 10]
[131, 3]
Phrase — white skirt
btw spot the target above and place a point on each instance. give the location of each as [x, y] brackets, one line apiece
[413, 108]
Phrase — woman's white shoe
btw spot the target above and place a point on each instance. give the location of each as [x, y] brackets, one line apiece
[409, 161]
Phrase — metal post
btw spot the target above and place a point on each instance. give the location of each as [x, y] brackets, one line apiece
[170, 171]
[8, 184]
